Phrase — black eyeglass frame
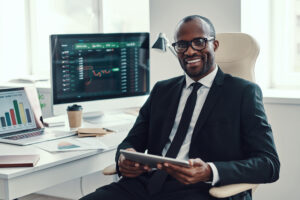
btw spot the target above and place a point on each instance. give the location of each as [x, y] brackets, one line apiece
[190, 44]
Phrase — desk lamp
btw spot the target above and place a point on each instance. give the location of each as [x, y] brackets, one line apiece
[162, 43]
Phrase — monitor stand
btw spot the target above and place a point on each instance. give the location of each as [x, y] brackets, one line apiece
[92, 116]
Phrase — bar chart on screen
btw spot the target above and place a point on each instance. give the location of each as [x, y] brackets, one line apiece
[15, 111]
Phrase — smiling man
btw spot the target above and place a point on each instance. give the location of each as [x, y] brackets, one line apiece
[215, 121]
[197, 61]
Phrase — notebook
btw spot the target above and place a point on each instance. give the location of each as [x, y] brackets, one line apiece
[20, 118]
[19, 160]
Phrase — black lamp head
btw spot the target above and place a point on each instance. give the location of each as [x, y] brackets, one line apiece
[160, 43]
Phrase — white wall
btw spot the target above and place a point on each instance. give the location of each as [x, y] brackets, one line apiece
[164, 16]
[259, 27]
[284, 119]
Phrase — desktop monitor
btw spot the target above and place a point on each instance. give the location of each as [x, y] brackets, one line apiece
[90, 67]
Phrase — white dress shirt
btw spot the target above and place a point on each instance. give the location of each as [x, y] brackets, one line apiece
[201, 97]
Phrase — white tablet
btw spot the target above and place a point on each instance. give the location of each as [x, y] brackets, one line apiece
[151, 160]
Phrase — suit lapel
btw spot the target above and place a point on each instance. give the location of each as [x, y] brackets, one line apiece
[210, 101]
[176, 91]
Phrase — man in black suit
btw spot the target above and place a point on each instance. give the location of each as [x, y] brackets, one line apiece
[212, 119]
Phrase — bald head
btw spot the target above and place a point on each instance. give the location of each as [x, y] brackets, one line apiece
[204, 22]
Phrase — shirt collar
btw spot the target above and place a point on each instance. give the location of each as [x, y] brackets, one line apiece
[207, 80]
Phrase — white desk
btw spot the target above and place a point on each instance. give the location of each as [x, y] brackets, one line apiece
[52, 169]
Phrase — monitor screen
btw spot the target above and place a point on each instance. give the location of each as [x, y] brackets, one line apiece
[87, 67]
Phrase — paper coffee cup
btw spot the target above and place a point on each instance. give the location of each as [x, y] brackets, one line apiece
[74, 116]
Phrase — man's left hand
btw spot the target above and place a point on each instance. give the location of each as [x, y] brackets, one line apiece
[198, 171]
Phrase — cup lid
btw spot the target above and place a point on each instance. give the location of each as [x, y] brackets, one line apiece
[74, 107]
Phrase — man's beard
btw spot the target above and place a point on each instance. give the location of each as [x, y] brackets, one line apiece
[205, 68]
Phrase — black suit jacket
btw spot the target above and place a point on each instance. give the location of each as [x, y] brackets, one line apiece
[232, 129]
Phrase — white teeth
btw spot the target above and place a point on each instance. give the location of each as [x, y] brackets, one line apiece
[193, 61]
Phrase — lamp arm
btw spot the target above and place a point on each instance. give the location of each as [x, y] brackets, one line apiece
[169, 44]
[172, 50]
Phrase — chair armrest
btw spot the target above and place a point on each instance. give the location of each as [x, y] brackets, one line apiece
[110, 170]
[230, 190]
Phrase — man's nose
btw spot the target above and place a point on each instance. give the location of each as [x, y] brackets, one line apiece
[190, 51]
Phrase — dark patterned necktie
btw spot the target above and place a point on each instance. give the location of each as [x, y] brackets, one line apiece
[158, 178]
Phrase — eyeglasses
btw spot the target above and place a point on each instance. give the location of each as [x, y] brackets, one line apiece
[197, 44]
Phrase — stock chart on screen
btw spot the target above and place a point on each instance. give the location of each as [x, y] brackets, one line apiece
[95, 66]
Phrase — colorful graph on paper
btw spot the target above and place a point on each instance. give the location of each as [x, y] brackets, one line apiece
[15, 112]
[66, 145]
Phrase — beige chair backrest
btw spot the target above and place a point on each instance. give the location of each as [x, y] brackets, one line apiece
[237, 54]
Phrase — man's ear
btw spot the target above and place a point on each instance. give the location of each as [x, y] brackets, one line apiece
[216, 45]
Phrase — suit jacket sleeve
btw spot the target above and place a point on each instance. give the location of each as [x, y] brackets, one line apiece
[138, 135]
[260, 163]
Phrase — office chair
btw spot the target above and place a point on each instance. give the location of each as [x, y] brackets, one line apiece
[236, 55]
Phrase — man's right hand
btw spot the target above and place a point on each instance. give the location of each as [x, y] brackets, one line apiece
[129, 168]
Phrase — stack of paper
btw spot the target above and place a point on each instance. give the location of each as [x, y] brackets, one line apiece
[93, 132]
[72, 144]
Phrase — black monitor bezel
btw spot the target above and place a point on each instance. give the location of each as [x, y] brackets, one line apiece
[53, 39]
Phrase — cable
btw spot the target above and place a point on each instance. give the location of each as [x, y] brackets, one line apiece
[81, 186]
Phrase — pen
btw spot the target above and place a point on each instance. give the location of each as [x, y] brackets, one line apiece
[108, 130]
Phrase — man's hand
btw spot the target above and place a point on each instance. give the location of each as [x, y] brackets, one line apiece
[199, 171]
[129, 168]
